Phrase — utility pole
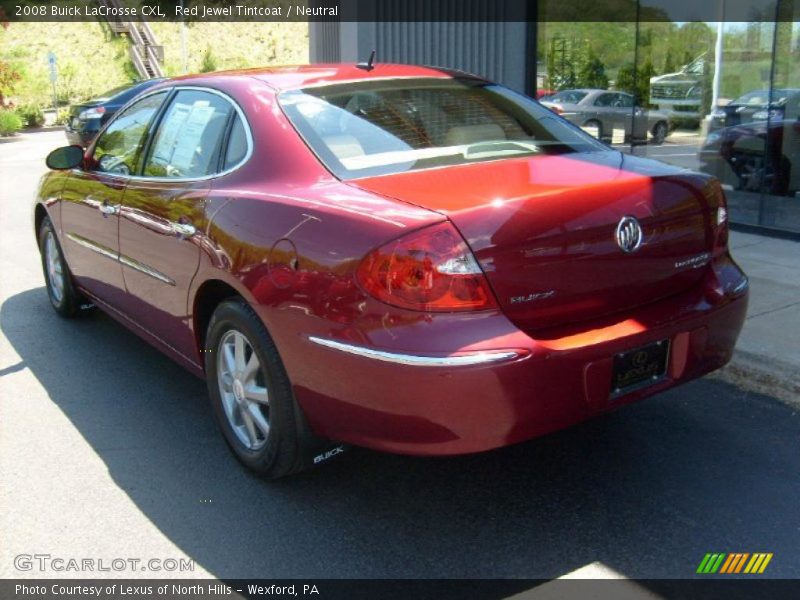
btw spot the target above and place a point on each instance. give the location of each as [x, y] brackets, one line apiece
[51, 61]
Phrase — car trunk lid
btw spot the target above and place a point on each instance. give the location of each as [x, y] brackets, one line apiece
[544, 229]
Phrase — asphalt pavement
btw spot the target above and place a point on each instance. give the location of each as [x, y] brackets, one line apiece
[109, 450]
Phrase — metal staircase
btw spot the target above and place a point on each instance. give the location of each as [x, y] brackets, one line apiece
[145, 52]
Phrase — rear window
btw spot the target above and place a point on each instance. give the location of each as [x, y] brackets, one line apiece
[381, 127]
[761, 97]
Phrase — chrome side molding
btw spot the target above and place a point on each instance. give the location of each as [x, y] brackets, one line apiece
[415, 360]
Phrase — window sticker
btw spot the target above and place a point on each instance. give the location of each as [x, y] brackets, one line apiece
[180, 137]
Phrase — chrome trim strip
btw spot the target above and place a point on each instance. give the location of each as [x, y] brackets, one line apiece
[120, 258]
[741, 286]
[143, 268]
[461, 360]
[102, 250]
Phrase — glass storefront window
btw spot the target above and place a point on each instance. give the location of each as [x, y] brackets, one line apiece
[716, 97]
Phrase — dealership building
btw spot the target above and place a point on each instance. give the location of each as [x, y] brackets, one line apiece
[726, 73]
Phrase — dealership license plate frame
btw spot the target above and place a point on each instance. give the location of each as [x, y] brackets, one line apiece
[653, 367]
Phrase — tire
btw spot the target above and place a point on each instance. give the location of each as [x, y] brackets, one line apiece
[596, 124]
[660, 131]
[258, 416]
[60, 289]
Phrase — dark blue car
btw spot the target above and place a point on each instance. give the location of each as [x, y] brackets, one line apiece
[86, 119]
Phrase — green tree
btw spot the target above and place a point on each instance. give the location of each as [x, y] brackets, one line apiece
[669, 62]
[209, 61]
[8, 79]
[592, 73]
[626, 78]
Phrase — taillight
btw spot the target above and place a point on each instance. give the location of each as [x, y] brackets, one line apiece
[431, 269]
[92, 113]
[719, 218]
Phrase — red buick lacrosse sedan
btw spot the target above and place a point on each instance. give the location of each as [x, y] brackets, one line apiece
[408, 259]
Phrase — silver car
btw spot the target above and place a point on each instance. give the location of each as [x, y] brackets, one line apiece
[602, 112]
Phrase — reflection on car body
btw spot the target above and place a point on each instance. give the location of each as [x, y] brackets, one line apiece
[604, 111]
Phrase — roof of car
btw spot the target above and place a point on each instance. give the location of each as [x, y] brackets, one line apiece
[292, 77]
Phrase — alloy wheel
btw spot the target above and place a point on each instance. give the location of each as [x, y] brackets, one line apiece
[55, 268]
[242, 386]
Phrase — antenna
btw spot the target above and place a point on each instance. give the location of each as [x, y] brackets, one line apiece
[369, 65]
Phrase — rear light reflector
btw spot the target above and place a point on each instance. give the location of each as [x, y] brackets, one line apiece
[429, 270]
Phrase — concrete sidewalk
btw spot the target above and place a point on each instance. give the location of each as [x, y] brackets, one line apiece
[767, 357]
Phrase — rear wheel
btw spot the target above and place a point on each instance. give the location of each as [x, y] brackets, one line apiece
[659, 132]
[251, 394]
[65, 299]
[595, 126]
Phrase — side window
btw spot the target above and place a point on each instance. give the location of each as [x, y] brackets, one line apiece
[189, 138]
[625, 100]
[605, 100]
[118, 150]
[237, 145]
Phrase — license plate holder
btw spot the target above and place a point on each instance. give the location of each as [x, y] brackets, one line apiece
[639, 368]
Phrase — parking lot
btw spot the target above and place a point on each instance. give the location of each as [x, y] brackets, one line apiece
[108, 449]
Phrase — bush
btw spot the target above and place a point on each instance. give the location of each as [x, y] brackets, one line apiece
[31, 115]
[62, 116]
[10, 123]
[209, 61]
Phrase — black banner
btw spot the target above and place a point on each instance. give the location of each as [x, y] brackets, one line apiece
[398, 10]
[397, 589]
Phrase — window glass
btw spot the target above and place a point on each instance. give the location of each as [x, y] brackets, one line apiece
[625, 100]
[119, 147]
[237, 144]
[189, 137]
[605, 100]
[364, 129]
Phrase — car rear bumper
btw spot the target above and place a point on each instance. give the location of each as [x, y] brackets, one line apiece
[511, 386]
[82, 137]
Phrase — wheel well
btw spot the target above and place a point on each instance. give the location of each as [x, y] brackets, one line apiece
[210, 295]
[38, 216]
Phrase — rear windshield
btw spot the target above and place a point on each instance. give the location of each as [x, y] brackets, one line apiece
[106, 96]
[761, 97]
[381, 127]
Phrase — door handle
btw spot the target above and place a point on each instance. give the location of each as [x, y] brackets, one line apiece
[108, 209]
[184, 229]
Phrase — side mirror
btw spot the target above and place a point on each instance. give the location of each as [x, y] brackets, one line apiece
[66, 157]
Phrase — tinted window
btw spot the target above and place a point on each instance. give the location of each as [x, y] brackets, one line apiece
[237, 145]
[605, 100]
[119, 147]
[189, 138]
[625, 100]
[374, 128]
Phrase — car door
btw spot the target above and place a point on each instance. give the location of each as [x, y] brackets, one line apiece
[92, 197]
[606, 113]
[162, 217]
[632, 118]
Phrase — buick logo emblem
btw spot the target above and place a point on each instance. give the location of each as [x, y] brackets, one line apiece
[629, 234]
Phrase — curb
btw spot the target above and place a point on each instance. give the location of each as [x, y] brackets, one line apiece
[764, 375]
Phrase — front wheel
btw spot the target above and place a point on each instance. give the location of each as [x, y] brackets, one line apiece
[62, 294]
[251, 394]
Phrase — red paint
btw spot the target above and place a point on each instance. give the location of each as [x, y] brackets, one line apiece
[289, 238]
